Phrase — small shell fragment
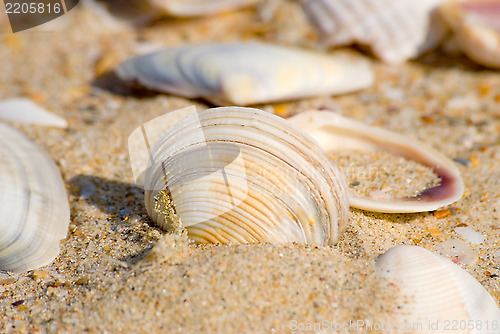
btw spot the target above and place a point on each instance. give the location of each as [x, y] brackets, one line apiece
[395, 30]
[25, 111]
[34, 207]
[192, 8]
[247, 73]
[334, 132]
[434, 291]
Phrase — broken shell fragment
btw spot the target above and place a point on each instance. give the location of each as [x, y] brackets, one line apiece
[436, 291]
[476, 25]
[34, 208]
[394, 30]
[334, 132]
[245, 176]
[26, 111]
[246, 73]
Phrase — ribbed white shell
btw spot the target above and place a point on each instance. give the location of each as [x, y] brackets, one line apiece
[244, 175]
[437, 290]
[34, 208]
[395, 30]
[246, 73]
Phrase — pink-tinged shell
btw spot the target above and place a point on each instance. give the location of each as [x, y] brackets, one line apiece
[394, 30]
[435, 293]
[476, 25]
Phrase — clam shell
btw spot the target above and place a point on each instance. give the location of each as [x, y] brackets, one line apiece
[438, 292]
[476, 25]
[246, 73]
[394, 30]
[243, 175]
[334, 132]
[34, 208]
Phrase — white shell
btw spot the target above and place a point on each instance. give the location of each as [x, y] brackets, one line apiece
[437, 291]
[395, 30]
[243, 175]
[26, 111]
[476, 25]
[334, 132]
[191, 8]
[34, 208]
[246, 73]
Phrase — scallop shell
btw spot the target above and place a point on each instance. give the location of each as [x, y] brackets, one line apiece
[34, 208]
[476, 25]
[246, 73]
[243, 175]
[395, 30]
[439, 293]
[334, 132]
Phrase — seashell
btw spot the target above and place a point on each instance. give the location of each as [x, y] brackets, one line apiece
[334, 132]
[477, 29]
[394, 30]
[246, 73]
[192, 8]
[25, 111]
[439, 293]
[243, 175]
[34, 208]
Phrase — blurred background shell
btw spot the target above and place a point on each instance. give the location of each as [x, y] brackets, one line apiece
[247, 73]
[243, 175]
[394, 30]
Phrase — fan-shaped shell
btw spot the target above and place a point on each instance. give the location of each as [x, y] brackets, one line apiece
[34, 208]
[246, 73]
[244, 175]
[395, 30]
[438, 293]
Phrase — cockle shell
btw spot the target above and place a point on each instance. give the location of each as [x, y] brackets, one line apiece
[243, 175]
[34, 208]
[476, 25]
[395, 30]
[246, 73]
[440, 295]
[334, 132]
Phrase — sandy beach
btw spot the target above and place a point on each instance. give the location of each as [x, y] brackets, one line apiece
[117, 272]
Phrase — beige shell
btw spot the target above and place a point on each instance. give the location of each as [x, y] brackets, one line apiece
[247, 73]
[394, 30]
[334, 132]
[191, 8]
[476, 25]
[34, 208]
[436, 293]
[243, 175]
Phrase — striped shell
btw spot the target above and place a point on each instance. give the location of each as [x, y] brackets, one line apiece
[244, 175]
[394, 30]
